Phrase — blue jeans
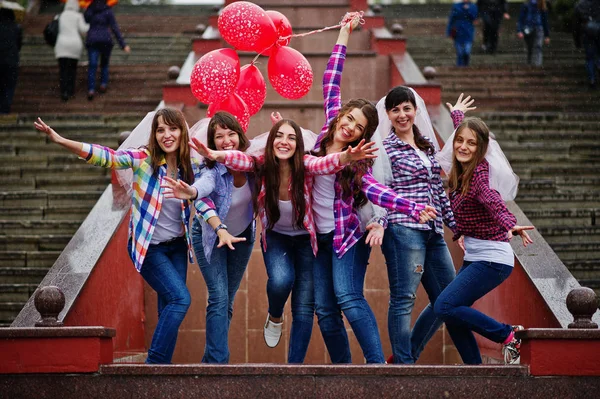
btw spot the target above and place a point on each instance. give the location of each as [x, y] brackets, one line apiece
[289, 261]
[165, 270]
[102, 52]
[473, 281]
[223, 276]
[534, 43]
[463, 53]
[339, 286]
[413, 257]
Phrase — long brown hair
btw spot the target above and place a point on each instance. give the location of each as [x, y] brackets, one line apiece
[224, 120]
[399, 95]
[351, 175]
[269, 172]
[461, 175]
[172, 117]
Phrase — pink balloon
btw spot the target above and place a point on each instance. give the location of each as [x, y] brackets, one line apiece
[290, 73]
[215, 75]
[252, 88]
[282, 27]
[235, 106]
[246, 27]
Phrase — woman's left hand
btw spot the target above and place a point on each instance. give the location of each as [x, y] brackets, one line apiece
[427, 214]
[361, 151]
[462, 105]
[275, 117]
[178, 189]
[375, 235]
[521, 231]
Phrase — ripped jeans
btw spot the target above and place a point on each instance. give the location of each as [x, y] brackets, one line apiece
[412, 257]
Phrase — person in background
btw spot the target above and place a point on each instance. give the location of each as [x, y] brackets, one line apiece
[491, 13]
[99, 43]
[460, 29]
[586, 31]
[69, 45]
[11, 39]
[532, 27]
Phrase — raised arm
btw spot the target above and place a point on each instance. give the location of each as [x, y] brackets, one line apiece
[333, 163]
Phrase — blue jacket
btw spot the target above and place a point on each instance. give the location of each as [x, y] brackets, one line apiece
[461, 20]
[532, 17]
[102, 21]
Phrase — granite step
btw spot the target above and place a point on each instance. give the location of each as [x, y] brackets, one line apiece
[28, 259]
[16, 293]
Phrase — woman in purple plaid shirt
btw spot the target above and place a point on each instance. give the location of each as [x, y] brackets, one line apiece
[487, 226]
[343, 246]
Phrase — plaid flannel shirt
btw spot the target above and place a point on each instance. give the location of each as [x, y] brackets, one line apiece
[414, 181]
[347, 223]
[481, 213]
[237, 160]
[146, 199]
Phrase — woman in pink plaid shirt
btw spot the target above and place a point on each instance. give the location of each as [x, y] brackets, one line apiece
[284, 177]
[486, 226]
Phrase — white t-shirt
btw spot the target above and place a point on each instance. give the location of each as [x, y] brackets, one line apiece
[285, 224]
[323, 196]
[240, 211]
[169, 224]
[488, 251]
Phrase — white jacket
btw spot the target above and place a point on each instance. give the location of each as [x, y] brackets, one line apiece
[71, 28]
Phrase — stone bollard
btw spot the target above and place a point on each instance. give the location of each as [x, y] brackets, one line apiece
[397, 29]
[582, 303]
[49, 301]
[429, 73]
[173, 72]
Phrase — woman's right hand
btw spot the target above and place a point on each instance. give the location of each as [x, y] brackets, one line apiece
[225, 238]
[127, 49]
[352, 24]
[178, 189]
[42, 127]
[462, 105]
[427, 214]
[275, 117]
[206, 152]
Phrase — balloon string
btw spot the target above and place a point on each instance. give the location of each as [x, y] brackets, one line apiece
[349, 17]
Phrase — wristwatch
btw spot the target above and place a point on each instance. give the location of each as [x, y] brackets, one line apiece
[219, 227]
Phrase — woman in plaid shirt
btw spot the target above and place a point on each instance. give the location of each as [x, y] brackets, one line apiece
[343, 246]
[284, 204]
[159, 242]
[487, 226]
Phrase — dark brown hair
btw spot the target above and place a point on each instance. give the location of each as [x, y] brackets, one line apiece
[351, 175]
[461, 175]
[399, 95]
[224, 120]
[172, 117]
[269, 172]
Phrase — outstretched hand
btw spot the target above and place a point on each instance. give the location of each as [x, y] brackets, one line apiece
[202, 149]
[42, 127]
[427, 214]
[351, 19]
[462, 105]
[521, 231]
[178, 189]
[375, 235]
[275, 117]
[361, 151]
[225, 238]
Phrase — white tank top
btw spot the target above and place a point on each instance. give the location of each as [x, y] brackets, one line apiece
[240, 211]
[323, 196]
[285, 224]
[488, 251]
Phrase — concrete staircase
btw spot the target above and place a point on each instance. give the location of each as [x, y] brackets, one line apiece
[45, 193]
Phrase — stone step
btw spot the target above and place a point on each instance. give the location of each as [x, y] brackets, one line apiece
[550, 201]
[555, 218]
[9, 310]
[54, 170]
[577, 251]
[22, 275]
[9, 227]
[561, 185]
[28, 259]
[574, 235]
[37, 242]
[69, 212]
[18, 199]
[16, 292]
[549, 171]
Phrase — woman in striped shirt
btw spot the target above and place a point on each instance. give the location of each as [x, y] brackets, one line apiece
[343, 246]
[487, 226]
[289, 242]
[158, 233]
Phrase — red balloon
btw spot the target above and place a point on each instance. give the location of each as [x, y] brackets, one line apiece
[252, 88]
[282, 27]
[215, 75]
[290, 73]
[235, 106]
[246, 27]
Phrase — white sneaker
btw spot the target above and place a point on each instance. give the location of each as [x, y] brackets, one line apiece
[272, 332]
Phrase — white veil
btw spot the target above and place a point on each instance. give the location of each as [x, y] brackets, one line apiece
[382, 169]
[502, 177]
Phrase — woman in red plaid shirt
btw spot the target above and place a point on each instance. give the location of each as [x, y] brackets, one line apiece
[487, 226]
[284, 181]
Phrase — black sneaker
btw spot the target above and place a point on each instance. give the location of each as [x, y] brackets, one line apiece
[512, 350]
